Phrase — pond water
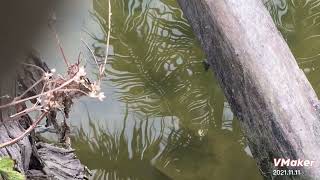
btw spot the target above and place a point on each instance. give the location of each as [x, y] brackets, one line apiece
[165, 116]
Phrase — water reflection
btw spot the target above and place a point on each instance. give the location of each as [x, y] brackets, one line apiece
[157, 65]
[165, 117]
[176, 124]
[159, 149]
[113, 156]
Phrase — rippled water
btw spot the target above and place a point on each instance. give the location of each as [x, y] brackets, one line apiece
[165, 117]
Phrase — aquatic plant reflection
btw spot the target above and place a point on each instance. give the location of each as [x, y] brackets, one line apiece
[183, 129]
[162, 151]
[112, 155]
[157, 66]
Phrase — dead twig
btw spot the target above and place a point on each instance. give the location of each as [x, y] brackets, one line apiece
[57, 91]
[103, 67]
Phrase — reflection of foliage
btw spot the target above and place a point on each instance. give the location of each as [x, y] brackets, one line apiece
[157, 70]
[6, 170]
[115, 157]
[173, 154]
[158, 63]
[299, 22]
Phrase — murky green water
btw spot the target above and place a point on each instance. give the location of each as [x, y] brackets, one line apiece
[165, 117]
[299, 22]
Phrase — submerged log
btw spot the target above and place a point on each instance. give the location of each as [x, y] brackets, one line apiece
[37, 160]
[268, 92]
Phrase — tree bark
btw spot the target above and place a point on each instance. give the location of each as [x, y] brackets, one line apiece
[262, 81]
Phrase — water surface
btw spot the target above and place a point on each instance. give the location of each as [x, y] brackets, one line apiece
[165, 117]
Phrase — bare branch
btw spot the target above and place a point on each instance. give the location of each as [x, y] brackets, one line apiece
[103, 67]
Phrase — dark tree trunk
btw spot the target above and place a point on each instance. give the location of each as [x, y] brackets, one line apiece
[261, 79]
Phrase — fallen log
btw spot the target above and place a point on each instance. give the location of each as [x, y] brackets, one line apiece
[260, 77]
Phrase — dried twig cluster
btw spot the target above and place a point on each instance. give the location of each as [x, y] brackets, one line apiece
[58, 91]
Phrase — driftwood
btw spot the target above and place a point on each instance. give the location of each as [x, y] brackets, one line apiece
[37, 160]
[59, 163]
[270, 95]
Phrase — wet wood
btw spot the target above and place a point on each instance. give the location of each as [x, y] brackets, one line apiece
[261, 79]
[59, 163]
